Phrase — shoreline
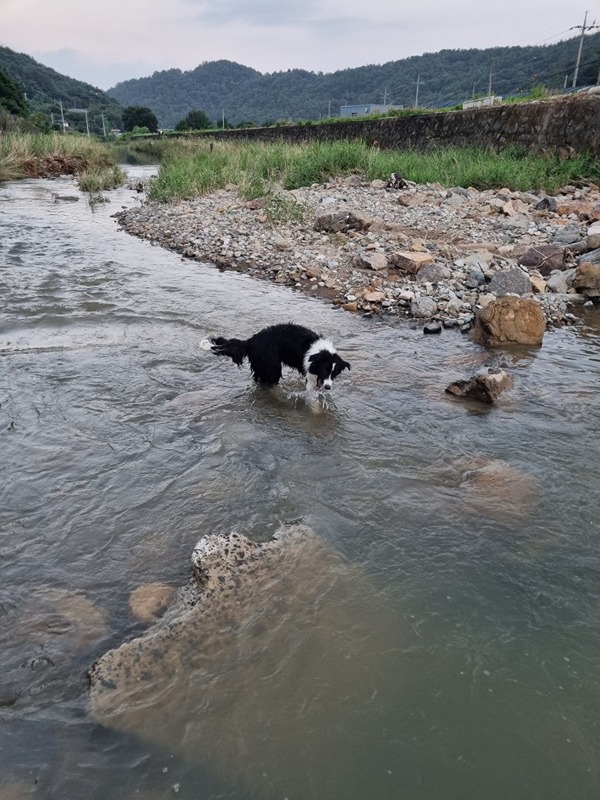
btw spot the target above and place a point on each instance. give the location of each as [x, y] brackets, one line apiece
[421, 252]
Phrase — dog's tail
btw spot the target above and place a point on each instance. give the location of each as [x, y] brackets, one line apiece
[234, 348]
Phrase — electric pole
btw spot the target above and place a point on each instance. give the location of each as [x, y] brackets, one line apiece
[490, 81]
[418, 82]
[583, 28]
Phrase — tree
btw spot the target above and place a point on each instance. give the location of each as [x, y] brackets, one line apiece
[12, 97]
[139, 117]
[195, 120]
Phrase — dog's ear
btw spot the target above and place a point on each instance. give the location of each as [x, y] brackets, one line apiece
[340, 365]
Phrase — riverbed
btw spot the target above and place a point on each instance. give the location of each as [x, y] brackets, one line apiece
[121, 443]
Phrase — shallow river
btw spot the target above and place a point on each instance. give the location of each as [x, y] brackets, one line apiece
[121, 443]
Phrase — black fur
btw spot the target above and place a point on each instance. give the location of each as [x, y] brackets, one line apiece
[272, 348]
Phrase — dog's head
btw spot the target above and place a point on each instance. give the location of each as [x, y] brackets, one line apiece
[323, 367]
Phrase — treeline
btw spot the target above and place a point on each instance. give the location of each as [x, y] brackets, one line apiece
[446, 78]
[42, 89]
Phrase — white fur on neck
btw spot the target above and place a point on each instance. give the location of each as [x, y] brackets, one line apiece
[316, 347]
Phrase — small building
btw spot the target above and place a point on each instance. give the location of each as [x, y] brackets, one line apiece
[365, 109]
[482, 102]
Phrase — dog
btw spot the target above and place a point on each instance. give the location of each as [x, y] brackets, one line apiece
[291, 345]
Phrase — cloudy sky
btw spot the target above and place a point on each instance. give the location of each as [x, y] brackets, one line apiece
[106, 41]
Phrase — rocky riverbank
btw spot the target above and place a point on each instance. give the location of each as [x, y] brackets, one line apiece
[396, 248]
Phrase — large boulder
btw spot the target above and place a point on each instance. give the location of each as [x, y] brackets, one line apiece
[508, 321]
[262, 666]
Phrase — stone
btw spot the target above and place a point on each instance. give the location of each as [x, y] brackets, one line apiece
[147, 602]
[486, 387]
[475, 279]
[582, 208]
[242, 672]
[432, 327]
[587, 279]
[342, 221]
[434, 273]
[557, 283]
[509, 321]
[544, 258]
[374, 296]
[538, 284]
[510, 281]
[593, 257]
[546, 204]
[422, 307]
[376, 261]
[410, 261]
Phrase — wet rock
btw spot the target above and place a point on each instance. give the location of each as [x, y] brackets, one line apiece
[544, 258]
[432, 327]
[149, 601]
[486, 387]
[244, 669]
[509, 320]
[510, 281]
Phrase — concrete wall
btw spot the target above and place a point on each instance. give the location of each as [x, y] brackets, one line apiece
[569, 123]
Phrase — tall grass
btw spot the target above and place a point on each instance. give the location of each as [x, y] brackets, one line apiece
[258, 169]
[52, 154]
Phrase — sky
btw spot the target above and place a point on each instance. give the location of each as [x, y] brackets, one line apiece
[103, 42]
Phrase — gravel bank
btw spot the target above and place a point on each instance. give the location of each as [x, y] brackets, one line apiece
[420, 251]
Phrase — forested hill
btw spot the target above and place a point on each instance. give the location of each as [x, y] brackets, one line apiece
[445, 78]
[45, 89]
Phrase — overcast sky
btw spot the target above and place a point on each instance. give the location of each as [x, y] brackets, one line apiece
[106, 41]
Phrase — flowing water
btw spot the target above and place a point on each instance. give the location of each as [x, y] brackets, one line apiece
[121, 443]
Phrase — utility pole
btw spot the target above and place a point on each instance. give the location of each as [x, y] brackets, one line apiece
[62, 116]
[103, 126]
[583, 28]
[418, 82]
[490, 81]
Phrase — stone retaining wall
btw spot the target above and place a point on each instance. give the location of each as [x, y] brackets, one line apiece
[568, 123]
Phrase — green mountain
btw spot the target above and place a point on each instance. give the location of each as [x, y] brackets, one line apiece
[445, 78]
[45, 89]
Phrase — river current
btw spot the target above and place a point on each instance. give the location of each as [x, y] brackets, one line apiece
[121, 443]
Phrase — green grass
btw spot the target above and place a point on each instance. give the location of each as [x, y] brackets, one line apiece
[190, 169]
[52, 154]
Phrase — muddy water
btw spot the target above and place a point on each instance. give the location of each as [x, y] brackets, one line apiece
[121, 443]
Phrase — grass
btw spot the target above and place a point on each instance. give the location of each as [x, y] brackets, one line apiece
[193, 168]
[53, 154]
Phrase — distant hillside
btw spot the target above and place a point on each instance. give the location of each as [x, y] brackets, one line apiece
[45, 89]
[445, 78]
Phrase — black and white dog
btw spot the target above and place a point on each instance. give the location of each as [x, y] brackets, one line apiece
[290, 345]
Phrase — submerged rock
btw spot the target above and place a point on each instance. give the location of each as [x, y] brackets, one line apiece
[147, 602]
[495, 489]
[260, 666]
